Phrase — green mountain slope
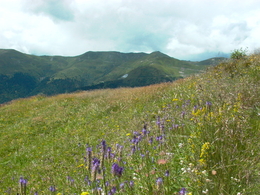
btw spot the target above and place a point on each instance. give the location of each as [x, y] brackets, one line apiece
[23, 75]
[198, 135]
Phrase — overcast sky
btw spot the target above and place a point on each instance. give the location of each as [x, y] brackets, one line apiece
[184, 29]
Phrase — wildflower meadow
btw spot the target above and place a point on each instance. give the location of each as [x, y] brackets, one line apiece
[198, 135]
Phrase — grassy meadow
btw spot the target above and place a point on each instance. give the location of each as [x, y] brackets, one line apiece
[198, 135]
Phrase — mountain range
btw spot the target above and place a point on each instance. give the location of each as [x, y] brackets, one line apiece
[23, 75]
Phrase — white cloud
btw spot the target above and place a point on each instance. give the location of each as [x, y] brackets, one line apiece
[182, 29]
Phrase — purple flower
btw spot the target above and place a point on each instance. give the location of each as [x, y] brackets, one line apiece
[104, 145]
[167, 173]
[183, 191]
[137, 133]
[112, 191]
[158, 122]
[208, 104]
[86, 179]
[159, 138]
[99, 189]
[23, 181]
[131, 183]
[151, 140]
[122, 185]
[35, 193]
[89, 149]
[119, 149]
[117, 170]
[133, 149]
[159, 181]
[183, 114]
[134, 140]
[95, 164]
[52, 189]
[162, 127]
[70, 179]
[112, 155]
[175, 126]
[144, 131]
[89, 156]
[109, 150]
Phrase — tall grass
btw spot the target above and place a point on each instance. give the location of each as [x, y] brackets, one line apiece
[199, 135]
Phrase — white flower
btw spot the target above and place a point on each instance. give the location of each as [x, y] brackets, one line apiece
[180, 145]
[183, 170]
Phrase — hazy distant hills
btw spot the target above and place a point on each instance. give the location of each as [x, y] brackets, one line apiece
[23, 75]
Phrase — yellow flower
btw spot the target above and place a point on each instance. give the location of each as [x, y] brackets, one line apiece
[59, 194]
[204, 149]
[81, 165]
[198, 111]
[175, 99]
[128, 134]
[84, 193]
[202, 161]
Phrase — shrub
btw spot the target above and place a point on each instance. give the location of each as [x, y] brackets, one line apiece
[238, 54]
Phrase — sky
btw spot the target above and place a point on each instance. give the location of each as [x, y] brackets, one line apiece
[183, 29]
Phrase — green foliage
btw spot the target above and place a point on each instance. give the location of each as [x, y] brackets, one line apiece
[238, 54]
[20, 85]
[57, 74]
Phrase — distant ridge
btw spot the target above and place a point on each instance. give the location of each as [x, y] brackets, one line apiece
[23, 75]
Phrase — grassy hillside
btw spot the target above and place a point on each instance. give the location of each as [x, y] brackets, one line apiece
[23, 75]
[198, 135]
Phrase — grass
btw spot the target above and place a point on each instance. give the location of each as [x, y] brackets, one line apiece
[198, 135]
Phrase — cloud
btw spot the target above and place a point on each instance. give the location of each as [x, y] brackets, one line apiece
[221, 32]
[55, 9]
[182, 29]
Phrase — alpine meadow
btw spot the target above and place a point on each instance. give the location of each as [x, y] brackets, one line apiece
[196, 135]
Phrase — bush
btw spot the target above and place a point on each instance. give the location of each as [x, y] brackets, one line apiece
[238, 54]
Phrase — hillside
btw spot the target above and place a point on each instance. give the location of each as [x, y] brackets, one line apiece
[198, 135]
[23, 75]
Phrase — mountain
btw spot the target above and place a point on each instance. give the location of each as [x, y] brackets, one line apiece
[23, 75]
